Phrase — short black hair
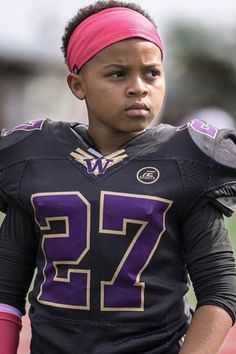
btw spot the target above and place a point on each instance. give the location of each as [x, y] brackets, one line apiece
[89, 10]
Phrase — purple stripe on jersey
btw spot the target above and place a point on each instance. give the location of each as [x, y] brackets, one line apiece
[29, 126]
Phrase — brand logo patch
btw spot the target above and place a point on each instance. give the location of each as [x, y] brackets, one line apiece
[148, 175]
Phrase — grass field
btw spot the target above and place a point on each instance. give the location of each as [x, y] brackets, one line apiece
[231, 225]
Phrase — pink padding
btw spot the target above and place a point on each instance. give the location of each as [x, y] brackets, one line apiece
[10, 326]
[107, 27]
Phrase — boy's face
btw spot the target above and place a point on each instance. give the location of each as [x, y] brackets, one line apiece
[123, 86]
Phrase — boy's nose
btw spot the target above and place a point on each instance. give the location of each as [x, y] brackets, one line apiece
[137, 88]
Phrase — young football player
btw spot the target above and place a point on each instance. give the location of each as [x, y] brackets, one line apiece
[115, 215]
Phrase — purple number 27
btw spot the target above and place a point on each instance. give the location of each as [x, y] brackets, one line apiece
[71, 289]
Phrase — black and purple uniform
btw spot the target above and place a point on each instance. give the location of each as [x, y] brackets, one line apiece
[113, 238]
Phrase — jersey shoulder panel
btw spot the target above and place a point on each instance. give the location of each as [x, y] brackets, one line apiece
[16, 143]
[151, 140]
[12, 136]
[217, 144]
[220, 146]
[225, 151]
[35, 140]
[26, 141]
[162, 132]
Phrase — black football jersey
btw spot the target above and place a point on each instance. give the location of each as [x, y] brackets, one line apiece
[113, 245]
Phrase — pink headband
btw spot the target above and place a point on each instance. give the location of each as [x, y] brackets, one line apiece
[104, 28]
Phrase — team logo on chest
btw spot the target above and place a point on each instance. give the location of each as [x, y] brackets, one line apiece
[98, 164]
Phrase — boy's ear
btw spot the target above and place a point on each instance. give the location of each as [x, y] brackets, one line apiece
[75, 83]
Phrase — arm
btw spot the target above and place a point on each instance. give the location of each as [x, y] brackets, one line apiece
[17, 262]
[209, 259]
[10, 326]
[207, 331]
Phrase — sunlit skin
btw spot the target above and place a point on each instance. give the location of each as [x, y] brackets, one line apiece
[123, 86]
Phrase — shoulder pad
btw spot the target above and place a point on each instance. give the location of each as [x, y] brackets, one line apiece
[14, 143]
[218, 144]
[158, 135]
[165, 130]
[23, 128]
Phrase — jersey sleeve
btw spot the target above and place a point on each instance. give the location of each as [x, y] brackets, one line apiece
[18, 247]
[209, 258]
[18, 235]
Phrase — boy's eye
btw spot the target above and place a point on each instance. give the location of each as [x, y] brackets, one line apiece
[117, 74]
[152, 73]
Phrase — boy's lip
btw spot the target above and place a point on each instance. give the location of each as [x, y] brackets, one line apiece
[137, 106]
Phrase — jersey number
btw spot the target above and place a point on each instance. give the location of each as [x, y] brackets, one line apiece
[125, 291]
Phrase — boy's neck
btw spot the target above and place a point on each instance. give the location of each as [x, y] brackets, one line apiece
[109, 143]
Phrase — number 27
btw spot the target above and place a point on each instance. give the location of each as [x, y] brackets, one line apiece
[125, 291]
